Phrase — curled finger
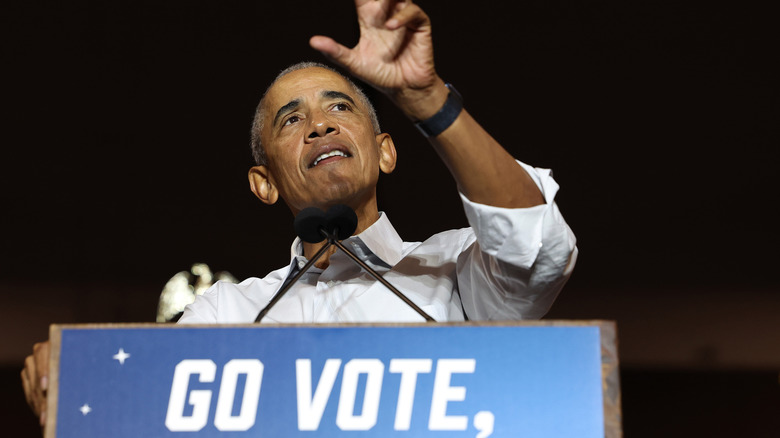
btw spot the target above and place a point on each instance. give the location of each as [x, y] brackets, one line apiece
[407, 14]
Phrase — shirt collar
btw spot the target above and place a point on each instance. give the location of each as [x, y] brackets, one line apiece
[381, 238]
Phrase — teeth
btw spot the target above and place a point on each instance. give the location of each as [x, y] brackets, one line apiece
[328, 155]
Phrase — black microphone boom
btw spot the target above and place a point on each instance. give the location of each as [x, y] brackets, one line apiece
[338, 223]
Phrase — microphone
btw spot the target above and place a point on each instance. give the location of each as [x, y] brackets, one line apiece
[339, 220]
[342, 221]
[338, 223]
[308, 224]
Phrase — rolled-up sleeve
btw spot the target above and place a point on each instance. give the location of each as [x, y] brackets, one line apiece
[521, 259]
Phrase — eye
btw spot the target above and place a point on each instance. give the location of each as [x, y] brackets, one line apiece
[292, 119]
[341, 106]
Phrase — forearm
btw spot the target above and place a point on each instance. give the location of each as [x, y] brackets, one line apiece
[484, 171]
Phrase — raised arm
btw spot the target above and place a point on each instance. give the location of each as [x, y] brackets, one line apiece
[395, 55]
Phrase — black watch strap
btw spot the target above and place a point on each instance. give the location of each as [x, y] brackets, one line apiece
[442, 120]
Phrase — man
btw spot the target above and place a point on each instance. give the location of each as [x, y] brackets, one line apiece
[318, 144]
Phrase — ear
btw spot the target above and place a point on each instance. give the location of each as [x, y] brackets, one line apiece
[261, 184]
[387, 154]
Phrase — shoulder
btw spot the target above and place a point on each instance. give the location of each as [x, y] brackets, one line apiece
[250, 287]
[228, 302]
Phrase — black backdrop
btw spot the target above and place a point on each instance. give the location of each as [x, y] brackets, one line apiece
[127, 130]
[126, 136]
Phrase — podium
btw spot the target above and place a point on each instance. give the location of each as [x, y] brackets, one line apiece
[474, 379]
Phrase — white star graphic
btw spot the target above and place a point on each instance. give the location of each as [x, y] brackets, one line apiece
[121, 356]
[85, 409]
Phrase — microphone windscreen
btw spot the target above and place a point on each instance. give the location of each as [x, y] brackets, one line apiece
[308, 224]
[342, 221]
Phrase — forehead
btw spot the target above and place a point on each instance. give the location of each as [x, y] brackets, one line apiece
[305, 84]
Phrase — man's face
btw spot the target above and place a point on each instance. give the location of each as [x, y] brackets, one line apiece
[319, 141]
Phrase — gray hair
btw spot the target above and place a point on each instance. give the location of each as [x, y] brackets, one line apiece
[258, 152]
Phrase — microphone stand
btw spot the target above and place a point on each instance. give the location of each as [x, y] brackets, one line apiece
[290, 283]
[333, 240]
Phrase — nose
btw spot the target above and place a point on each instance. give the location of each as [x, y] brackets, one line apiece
[321, 125]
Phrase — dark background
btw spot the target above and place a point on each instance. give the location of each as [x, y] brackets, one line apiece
[126, 126]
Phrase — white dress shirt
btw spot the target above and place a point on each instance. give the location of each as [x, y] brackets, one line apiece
[509, 265]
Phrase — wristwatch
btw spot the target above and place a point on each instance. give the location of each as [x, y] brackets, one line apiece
[442, 120]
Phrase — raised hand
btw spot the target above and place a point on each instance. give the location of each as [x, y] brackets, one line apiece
[394, 53]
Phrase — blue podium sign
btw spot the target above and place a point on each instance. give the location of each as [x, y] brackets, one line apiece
[405, 380]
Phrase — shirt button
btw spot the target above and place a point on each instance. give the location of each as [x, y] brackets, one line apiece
[331, 283]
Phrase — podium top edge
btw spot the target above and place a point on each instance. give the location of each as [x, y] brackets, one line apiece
[156, 325]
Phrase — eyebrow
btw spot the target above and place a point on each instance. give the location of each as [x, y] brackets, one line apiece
[329, 94]
[289, 106]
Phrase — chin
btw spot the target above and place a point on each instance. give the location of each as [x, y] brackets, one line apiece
[341, 194]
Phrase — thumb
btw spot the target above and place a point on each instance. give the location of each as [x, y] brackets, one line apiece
[331, 49]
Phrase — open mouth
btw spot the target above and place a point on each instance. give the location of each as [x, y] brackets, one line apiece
[329, 156]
